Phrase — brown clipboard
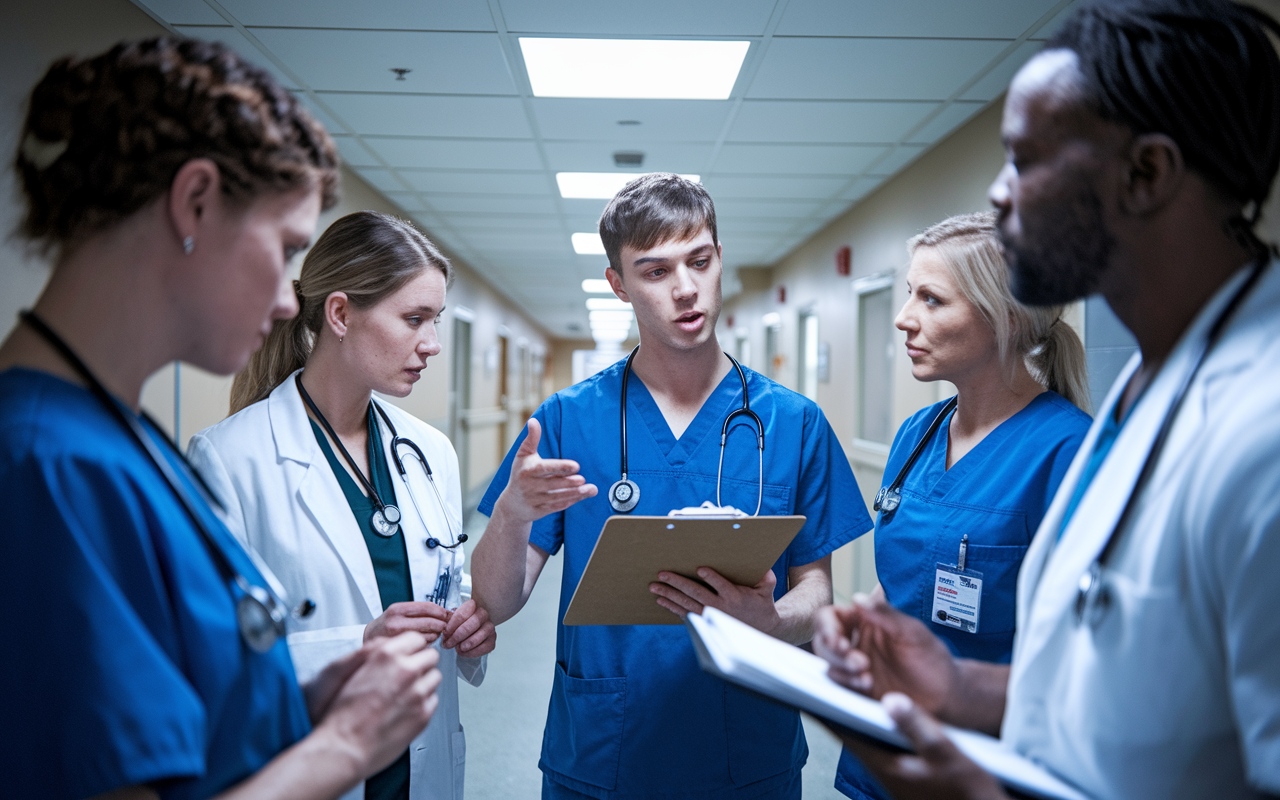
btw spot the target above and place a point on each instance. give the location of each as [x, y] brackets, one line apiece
[631, 551]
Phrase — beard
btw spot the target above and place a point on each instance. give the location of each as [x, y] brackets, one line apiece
[1061, 253]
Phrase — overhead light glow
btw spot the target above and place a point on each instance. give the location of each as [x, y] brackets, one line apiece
[611, 316]
[654, 69]
[596, 286]
[607, 304]
[599, 185]
[587, 244]
[609, 337]
[772, 319]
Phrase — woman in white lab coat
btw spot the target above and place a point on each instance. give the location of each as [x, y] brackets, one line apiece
[352, 502]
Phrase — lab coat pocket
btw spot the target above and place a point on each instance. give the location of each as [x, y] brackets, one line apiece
[584, 728]
[765, 738]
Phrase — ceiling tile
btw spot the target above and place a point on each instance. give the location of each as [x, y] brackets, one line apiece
[441, 63]
[841, 122]
[524, 241]
[416, 115]
[326, 119]
[494, 204]
[899, 158]
[951, 118]
[455, 15]
[972, 19]
[652, 17]
[353, 153]
[773, 186]
[183, 12]
[456, 153]
[409, 201]
[1051, 27]
[473, 182]
[464, 222]
[383, 180]
[771, 225]
[588, 209]
[660, 120]
[870, 69]
[243, 47]
[734, 208]
[598, 156]
[860, 189]
[991, 85]
[790, 159]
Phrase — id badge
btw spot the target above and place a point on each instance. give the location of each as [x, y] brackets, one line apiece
[957, 598]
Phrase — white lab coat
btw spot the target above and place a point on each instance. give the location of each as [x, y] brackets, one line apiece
[284, 502]
[1176, 692]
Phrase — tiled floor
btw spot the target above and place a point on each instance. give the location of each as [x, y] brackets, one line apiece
[504, 717]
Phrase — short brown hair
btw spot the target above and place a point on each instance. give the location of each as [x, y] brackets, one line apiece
[104, 136]
[652, 209]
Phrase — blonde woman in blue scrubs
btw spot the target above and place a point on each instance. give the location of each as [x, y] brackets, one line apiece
[974, 496]
[310, 473]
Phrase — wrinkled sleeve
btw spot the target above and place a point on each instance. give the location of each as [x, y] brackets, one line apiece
[827, 494]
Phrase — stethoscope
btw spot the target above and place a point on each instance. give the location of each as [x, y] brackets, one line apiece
[890, 497]
[624, 494]
[386, 516]
[1092, 595]
[260, 613]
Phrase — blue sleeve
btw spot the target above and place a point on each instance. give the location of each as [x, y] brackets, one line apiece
[1060, 461]
[548, 532]
[95, 700]
[827, 494]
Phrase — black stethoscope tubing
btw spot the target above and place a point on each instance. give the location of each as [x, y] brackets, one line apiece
[890, 497]
[1092, 596]
[260, 614]
[625, 494]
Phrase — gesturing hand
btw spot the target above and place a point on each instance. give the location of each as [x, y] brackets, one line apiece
[937, 769]
[873, 648]
[540, 486]
[752, 604]
[428, 619]
[470, 631]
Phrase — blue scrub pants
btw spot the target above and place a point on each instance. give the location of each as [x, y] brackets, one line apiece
[790, 791]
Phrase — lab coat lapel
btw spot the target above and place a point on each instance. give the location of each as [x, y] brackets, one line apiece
[319, 492]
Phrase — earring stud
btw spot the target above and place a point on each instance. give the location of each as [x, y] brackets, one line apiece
[189, 245]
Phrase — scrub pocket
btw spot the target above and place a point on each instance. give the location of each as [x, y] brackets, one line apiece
[584, 728]
[999, 565]
[765, 738]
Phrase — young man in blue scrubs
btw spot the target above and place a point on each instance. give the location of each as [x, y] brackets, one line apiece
[631, 714]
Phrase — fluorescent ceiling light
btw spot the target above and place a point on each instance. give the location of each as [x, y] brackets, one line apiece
[607, 304]
[588, 244]
[596, 286]
[771, 319]
[599, 185]
[655, 69]
[613, 336]
[611, 316]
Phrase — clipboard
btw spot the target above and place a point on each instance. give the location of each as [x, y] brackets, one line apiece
[631, 551]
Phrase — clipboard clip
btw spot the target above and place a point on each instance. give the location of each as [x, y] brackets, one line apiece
[708, 509]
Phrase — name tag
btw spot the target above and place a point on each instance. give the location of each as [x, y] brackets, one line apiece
[957, 598]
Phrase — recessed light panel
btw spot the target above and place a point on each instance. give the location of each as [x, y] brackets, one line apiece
[587, 244]
[599, 185]
[596, 286]
[607, 304]
[655, 69]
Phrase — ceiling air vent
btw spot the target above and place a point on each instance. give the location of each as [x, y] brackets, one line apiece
[627, 159]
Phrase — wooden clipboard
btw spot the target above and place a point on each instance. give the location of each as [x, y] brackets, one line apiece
[631, 551]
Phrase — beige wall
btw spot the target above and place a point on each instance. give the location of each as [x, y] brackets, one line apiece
[35, 34]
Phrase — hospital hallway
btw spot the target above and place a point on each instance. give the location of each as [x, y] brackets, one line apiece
[504, 717]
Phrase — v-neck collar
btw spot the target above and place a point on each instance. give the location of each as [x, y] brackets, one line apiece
[939, 478]
[677, 452]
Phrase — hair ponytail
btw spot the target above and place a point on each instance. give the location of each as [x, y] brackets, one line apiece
[365, 255]
[1059, 364]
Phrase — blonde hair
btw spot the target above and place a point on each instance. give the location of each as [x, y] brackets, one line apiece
[366, 255]
[1037, 336]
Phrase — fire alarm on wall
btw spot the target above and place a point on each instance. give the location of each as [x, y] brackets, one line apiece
[782, 294]
[844, 261]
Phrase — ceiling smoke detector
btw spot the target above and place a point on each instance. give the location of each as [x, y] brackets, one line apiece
[625, 158]
[400, 72]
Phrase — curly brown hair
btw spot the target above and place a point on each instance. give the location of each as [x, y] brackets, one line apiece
[104, 136]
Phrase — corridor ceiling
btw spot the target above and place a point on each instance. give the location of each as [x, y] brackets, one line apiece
[833, 98]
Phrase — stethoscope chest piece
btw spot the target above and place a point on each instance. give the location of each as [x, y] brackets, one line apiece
[259, 617]
[386, 521]
[887, 500]
[624, 495]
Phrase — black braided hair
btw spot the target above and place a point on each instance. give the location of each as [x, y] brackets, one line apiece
[1203, 72]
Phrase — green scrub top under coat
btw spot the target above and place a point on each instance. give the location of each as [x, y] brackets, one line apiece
[390, 568]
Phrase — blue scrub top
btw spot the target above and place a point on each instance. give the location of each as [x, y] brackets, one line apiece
[631, 713]
[124, 664]
[997, 494]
